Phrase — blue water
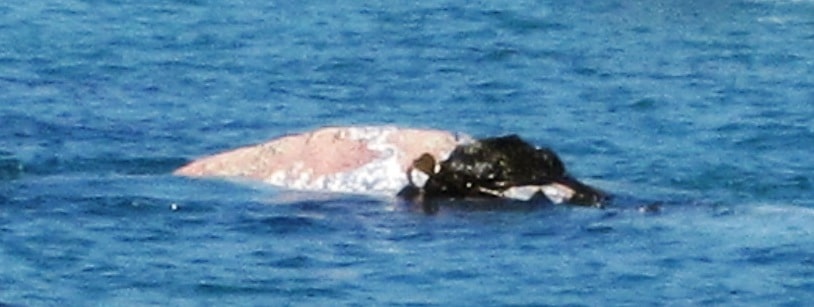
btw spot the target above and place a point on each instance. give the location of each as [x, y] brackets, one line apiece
[704, 106]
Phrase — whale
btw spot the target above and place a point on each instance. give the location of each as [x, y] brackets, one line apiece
[419, 165]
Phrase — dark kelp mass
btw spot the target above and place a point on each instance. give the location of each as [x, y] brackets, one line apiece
[489, 167]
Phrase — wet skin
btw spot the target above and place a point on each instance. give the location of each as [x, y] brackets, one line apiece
[489, 167]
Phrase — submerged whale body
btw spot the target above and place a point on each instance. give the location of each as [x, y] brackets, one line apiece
[500, 167]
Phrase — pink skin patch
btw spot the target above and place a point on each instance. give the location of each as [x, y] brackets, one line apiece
[312, 156]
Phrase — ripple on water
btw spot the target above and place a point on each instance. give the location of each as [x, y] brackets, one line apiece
[118, 165]
[10, 168]
[281, 225]
[273, 287]
[718, 112]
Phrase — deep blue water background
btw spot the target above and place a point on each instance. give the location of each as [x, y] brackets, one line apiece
[706, 106]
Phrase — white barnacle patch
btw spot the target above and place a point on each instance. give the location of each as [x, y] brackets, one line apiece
[318, 183]
[302, 180]
[277, 178]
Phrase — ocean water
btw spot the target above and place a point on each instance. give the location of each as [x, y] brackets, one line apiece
[706, 107]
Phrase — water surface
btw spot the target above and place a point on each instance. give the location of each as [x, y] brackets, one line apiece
[703, 106]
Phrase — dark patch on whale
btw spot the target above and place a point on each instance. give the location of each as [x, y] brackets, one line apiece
[488, 167]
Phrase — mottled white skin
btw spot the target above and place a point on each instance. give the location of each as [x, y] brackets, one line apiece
[367, 160]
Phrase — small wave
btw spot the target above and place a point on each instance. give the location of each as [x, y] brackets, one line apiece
[295, 262]
[269, 287]
[282, 225]
[790, 210]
